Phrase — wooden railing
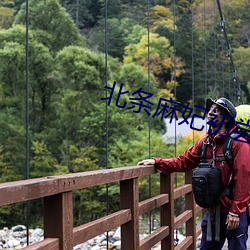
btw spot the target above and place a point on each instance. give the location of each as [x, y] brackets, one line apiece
[56, 192]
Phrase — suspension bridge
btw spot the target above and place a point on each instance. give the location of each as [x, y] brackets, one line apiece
[56, 192]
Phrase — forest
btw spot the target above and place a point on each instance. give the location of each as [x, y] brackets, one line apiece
[58, 70]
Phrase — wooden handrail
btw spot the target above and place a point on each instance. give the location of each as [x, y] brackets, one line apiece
[58, 208]
[24, 190]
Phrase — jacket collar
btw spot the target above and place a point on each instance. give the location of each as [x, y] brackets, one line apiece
[219, 137]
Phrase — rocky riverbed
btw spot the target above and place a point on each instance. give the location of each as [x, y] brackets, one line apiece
[16, 238]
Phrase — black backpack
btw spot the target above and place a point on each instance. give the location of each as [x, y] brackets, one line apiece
[206, 179]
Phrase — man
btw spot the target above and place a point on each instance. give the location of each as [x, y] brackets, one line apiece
[233, 212]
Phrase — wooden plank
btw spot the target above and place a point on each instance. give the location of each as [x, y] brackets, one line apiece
[198, 231]
[198, 208]
[90, 230]
[154, 238]
[178, 192]
[190, 205]
[46, 244]
[129, 196]
[24, 190]
[185, 244]
[152, 203]
[98, 177]
[58, 219]
[167, 210]
[182, 218]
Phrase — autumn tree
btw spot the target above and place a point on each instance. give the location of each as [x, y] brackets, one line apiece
[161, 61]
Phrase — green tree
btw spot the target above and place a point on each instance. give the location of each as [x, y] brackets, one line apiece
[84, 13]
[13, 60]
[42, 163]
[242, 64]
[53, 25]
[117, 32]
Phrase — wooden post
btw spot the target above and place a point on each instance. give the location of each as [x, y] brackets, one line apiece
[167, 210]
[190, 205]
[58, 219]
[129, 198]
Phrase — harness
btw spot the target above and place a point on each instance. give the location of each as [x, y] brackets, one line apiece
[229, 190]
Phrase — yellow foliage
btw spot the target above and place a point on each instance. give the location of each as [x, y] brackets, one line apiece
[194, 135]
[165, 93]
[6, 17]
[171, 85]
[160, 53]
[161, 15]
[188, 140]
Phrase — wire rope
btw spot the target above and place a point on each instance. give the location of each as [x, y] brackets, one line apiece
[222, 68]
[192, 77]
[149, 124]
[77, 13]
[221, 46]
[215, 52]
[175, 95]
[205, 50]
[174, 73]
[236, 83]
[27, 207]
[229, 83]
[223, 79]
[107, 113]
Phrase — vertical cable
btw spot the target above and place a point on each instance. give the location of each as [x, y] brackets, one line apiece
[149, 142]
[215, 52]
[222, 68]
[77, 13]
[221, 59]
[205, 50]
[174, 79]
[27, 207]
[174, 74]
[27, 89]
[175, 95]
[106, 81]
[149, 153]
[235, 89]
[230, 57]
[192, 28]
[223, 79]
[229, 83]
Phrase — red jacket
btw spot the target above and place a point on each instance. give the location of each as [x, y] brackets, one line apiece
[241, 168]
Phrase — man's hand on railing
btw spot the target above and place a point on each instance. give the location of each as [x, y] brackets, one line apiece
[146, 162]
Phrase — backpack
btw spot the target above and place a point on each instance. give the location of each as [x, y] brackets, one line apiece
[242, 120]
[206, 179]
[206, 183]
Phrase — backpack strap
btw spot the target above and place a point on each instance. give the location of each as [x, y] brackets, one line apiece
[203, 152]
[227, 149]
[217, 207]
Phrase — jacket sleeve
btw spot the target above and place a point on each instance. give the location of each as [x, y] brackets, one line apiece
[185, 162]
[241, 175]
